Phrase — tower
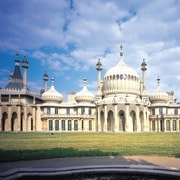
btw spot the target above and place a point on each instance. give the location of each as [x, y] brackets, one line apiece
[25, 67]
[143, 69]
[99, 69]
[45, 78]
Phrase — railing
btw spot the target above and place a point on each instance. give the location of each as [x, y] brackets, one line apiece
[68, 116]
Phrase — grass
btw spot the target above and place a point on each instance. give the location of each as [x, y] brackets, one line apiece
[27, 146]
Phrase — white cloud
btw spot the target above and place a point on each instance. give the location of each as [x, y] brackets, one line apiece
[95, 29]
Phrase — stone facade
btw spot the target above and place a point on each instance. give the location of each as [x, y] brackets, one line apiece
[121, 104]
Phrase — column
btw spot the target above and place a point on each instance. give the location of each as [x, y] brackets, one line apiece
[138, 119]
[98, 119]
[25, 119]
[34, 118]
[128, 123]
[18, 118]
[8, 123]
[164, 125]
[38, 119]
[105, 118]
[116, 124]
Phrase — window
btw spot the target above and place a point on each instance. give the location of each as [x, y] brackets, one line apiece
[50, 125]
[82, 125]
[82, 110]
[174, 125]
[175, 110]
[68, 111]
[153, 126]
[90, 112]
[153, 111]
[57, 125]
[63, 125]
[48, 110]
[69, 125]
[76, 125]
[56, 110]
[160, 110]
[31, 124]
[168, 125]
[90, 125]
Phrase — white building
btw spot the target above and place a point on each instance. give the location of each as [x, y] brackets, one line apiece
[121, 104]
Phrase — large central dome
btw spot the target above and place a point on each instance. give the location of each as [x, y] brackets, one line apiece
[121, 79]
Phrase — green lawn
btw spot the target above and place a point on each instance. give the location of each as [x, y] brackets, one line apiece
[25, 146]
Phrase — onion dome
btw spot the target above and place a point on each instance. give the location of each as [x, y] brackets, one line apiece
[121, 79]
[84, 96]
[52, 95]
[158, 96]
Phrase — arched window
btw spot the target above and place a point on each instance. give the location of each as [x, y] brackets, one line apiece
[174, 125]
[168, 125]
[76, 125]
[57, 125]
[69, 125]
[153, 125]
[63, 125]
[50, 125]
[31, 124]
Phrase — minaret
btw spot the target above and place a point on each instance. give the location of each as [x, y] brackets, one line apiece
[143, 69]
[45, 78]
[25, 67]
[99, 69]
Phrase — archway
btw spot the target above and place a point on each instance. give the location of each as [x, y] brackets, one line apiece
[4, 122]
[110, 121]
[102, 121]
[30, 123]
[14, 122]
[134, 121]
[122, 120]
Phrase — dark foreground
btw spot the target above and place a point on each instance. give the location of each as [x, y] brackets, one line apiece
[131, 167]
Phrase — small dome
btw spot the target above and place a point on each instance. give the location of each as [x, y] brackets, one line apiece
[84, 95]
[121, 79]
[159, 96]
[52, 95]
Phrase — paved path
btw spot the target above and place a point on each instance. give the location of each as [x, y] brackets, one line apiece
[168, 162]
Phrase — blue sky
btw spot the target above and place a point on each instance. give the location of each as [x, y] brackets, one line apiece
[67, 37]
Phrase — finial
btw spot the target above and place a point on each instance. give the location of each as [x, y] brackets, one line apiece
[143, 65]
[52, 81]
[17, 56]
[45, 76]
[158, 81]
[84, 81]
[121, 51]
[99, 65]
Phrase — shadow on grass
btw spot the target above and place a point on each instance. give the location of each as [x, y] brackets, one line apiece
[18, 155]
